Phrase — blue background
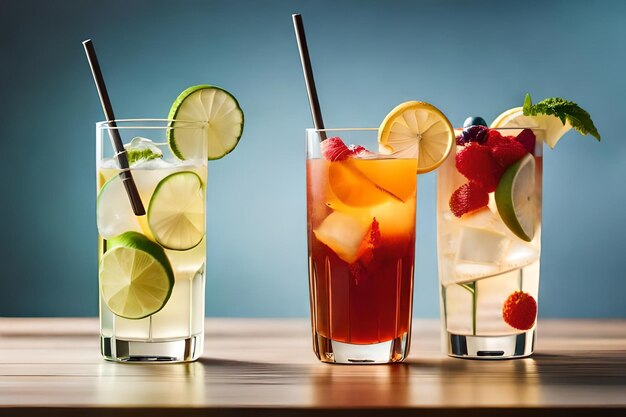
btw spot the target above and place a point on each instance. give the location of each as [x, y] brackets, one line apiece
[477, 57]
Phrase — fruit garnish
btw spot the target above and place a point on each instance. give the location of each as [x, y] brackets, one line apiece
[333, 149]
[417, 130]
[218, 110]
[142, 149]
[477, 164]
[566, 111]
[474, 121]
[528, 139]
[136, 277]
[361, 183]
[476, 133]
[515, 198]
[176, 211]
[467, 198]
[493, 138]
[508, 151]
[554, 128]
[520, 310]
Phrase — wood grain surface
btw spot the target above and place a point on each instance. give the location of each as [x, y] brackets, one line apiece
[261, 367]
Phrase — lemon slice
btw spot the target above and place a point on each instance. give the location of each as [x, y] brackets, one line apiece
[515, 198]
[221, 113]
[176, 211]
[417, 130]
[552, 126]
[136, 278]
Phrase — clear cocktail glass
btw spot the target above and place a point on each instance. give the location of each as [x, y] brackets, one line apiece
[489, 244]
[361, 246]
[151, 267]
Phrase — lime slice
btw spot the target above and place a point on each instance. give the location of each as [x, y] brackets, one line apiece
[215, 107]
[136, 278]
[417, 130]
[176, 211]
[552, 125]
[515, 198]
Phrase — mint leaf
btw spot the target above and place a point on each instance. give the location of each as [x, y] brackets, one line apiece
[135, 155]
[565, 110]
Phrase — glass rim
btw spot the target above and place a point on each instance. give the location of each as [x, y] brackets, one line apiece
[146, 124]
[342, 129]
[506, 128]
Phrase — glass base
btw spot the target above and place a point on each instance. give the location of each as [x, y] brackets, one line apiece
[491, 347]
[177, 350]
[331, 351]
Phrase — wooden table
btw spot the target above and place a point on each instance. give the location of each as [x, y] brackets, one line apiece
[52, 367]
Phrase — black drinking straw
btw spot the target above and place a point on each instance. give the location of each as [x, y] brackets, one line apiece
[122, 158]
[308, 74]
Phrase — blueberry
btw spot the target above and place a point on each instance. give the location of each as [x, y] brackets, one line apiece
[473, 133]
[474, 121]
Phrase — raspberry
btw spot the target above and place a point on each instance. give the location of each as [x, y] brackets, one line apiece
[527, 138]
[468, 197]
[520, 310]
[493, 138]
[477, 164]
[508, 151]
[475, 133]
[334, 149]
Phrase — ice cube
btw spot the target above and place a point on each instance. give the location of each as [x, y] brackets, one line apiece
[484, 218]
[152, 164]
[483, 246]
[110, 163]
[520, 254]
[343, 234]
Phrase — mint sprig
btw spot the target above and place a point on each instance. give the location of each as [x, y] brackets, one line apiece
[565, 110]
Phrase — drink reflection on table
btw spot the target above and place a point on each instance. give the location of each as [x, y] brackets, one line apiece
[172, 384]
[360, 385]
[503, 383]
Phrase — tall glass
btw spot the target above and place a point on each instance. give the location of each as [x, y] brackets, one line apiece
[147, 314]
[361, 245]
[488, 264]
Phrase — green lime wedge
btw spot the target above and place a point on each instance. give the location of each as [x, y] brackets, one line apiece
[223, 117]
[515, 198]
[136, 278]
[176, 211]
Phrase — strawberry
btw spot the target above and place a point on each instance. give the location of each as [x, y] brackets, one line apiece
[477, 164]
[508, 151]
[333, 149]
[527, 138]
[468, 197]
[520, 310]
